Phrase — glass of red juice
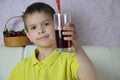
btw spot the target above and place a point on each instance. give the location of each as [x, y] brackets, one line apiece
[60, 20]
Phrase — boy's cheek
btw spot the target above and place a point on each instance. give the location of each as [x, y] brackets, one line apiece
[29, 36]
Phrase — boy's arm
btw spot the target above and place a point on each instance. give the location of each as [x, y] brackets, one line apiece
[87, 70]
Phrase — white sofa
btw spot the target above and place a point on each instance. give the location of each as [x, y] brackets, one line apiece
[9, 56]
[105, 59]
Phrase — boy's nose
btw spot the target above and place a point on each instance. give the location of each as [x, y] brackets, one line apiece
[41, 30]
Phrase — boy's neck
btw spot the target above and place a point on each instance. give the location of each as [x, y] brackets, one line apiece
[44, 52]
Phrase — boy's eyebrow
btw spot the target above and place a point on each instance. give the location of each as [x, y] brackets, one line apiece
[31, 25]
[41, 22]
[46, 20]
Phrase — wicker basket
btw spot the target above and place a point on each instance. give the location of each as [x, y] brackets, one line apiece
[16, 41]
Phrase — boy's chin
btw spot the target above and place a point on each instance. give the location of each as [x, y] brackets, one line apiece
[46, 45]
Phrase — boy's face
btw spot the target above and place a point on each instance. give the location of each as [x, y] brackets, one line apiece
[40, 29]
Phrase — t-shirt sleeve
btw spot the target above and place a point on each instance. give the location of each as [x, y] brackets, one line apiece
[16, 73]
[74, 67]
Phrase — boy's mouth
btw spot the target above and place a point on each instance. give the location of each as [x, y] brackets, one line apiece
[43, 37]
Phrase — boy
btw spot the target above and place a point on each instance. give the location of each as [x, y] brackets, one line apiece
[47, 63]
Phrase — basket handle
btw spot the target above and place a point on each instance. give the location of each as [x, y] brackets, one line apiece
[9, 20]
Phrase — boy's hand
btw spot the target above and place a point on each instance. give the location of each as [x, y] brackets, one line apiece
[73, 36]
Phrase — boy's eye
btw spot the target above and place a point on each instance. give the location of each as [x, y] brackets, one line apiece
[46, 24]
[32, 28]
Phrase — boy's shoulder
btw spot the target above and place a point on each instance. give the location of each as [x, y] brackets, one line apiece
[68, 55]
[24, 61]
[29, 58]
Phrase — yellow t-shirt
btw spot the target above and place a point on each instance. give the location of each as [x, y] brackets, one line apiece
[57, 66]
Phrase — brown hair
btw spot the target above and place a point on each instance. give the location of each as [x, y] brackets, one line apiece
[38, 7]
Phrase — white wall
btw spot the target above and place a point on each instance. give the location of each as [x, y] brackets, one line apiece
[97, 21]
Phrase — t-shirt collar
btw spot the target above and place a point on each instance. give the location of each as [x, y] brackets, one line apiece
[48, 60]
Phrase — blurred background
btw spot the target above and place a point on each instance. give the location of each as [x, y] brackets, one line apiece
[97, 21]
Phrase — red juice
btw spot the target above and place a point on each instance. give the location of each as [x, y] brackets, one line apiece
[61, 43]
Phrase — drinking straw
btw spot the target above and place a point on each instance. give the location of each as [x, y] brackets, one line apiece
[58, 5]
